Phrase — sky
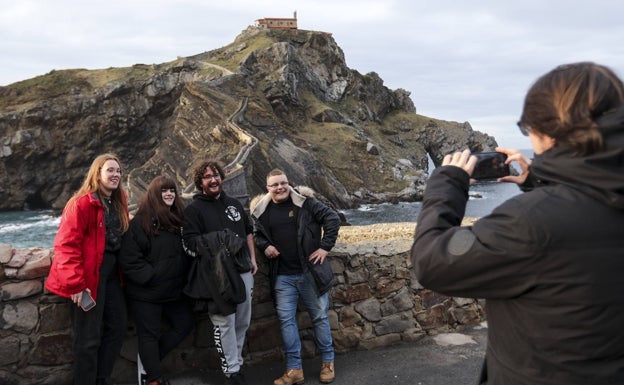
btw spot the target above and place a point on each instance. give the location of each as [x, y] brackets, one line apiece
[460, 60]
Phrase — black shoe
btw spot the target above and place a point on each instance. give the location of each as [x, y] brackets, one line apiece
[236, 379]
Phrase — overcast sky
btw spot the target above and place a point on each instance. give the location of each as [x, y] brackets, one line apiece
[460, 60]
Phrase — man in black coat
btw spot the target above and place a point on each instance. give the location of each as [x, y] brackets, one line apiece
[296, 233]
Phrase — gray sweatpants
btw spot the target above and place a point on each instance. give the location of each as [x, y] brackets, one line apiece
[230, 330]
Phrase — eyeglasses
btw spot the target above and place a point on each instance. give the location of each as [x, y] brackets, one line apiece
[523, 130]
[168, 190]
[280, 184]
[216, 176]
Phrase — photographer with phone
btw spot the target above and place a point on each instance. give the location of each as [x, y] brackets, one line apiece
[85, 270]
[549, 261]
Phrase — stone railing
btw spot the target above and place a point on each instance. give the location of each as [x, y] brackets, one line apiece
[374, 302]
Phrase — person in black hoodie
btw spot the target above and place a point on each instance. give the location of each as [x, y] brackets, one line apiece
[213, 222]
[549, 262]
[155, 267]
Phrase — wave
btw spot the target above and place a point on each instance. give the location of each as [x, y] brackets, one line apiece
[41, 222]
[29, 228]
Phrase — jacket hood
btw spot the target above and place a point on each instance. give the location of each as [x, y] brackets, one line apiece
[298, 194]
[203, 197]
[600, 175]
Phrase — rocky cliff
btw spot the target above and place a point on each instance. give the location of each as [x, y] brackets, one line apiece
[290, 93]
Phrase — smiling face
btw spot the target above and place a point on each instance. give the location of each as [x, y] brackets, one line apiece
[110, 177]
[168, 196]
[211, 182]
[278, 188]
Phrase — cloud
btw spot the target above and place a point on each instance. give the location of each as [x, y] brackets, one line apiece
[463, 61]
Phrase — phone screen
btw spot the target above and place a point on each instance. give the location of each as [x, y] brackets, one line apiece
[490, 165]
[86, 301]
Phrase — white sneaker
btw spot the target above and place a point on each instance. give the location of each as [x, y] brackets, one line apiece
[141, 374]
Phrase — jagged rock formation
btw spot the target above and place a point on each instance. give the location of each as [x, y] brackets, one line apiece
[342, 133]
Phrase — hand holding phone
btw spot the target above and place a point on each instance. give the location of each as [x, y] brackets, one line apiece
[490, 165]
[86, 301]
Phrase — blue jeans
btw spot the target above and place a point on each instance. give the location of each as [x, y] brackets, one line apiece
[288, 290]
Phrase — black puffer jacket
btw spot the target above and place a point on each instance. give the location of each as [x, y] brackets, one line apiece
[317, 227]
[214, 278]
[549, 262]
[155, 266]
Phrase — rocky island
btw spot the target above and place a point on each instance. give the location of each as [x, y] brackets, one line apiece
[272, 98]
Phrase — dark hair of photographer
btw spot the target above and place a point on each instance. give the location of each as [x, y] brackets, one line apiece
[566, 103]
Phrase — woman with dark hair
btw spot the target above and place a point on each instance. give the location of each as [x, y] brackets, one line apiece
[549, 262]
[86, 249]
[155, 267]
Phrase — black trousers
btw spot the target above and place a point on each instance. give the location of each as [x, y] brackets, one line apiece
[154, 344]
[98, 333]
[483, 377]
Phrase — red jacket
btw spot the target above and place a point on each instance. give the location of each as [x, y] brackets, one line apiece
[78, 248]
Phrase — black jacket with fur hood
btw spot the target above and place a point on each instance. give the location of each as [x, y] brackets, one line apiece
[317, 227]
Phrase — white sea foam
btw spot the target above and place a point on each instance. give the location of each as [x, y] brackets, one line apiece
[28, 228]
[16, 227]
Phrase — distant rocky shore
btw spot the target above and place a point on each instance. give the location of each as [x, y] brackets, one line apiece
[383, 231]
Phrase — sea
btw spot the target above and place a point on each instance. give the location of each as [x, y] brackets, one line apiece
[29, 228]
[483, 198]
[37, 228]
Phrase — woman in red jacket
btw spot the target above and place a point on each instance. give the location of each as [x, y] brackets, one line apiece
[86, 249]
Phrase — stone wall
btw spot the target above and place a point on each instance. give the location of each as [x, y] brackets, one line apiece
[375, 302]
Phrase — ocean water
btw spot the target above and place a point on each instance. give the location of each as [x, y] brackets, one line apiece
[29, 228]
[38, 228]
[484, 197]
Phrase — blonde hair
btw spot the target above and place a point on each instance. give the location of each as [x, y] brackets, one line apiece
[92, 183]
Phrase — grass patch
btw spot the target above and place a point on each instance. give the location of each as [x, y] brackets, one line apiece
[230, 56]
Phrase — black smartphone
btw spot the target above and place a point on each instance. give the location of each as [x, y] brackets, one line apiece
[86, 301]
[490, 165]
